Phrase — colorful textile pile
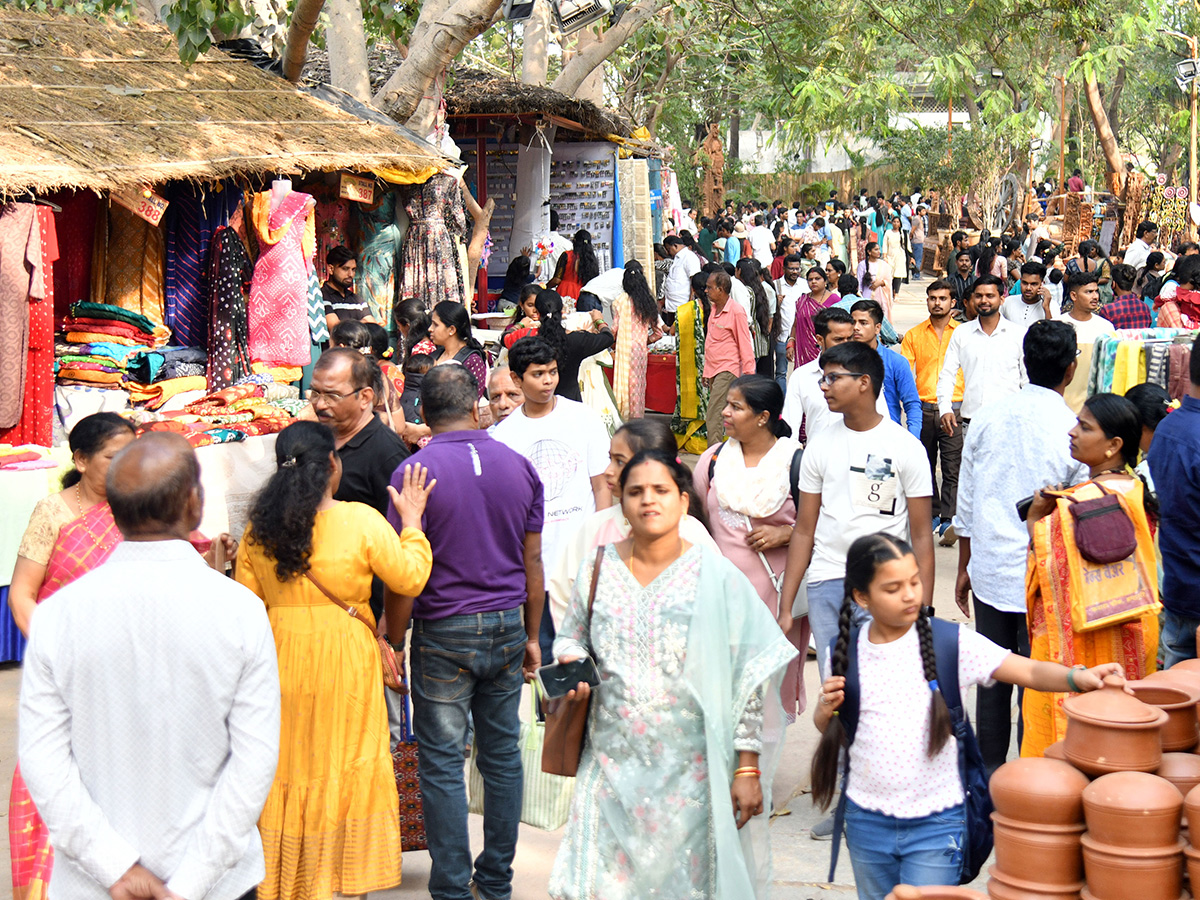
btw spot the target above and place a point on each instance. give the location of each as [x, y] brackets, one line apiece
[88, 322]
[229, 415]
[98, 363]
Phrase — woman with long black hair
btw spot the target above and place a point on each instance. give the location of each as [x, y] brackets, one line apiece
[575, 268]
[570, 349]
[450, 329]
[635, 324]
[412, 327]
[331, 822]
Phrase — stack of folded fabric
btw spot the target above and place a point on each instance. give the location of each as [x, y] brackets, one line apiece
[155, 376]
[230, 415]
[94, 364]
[90, 322]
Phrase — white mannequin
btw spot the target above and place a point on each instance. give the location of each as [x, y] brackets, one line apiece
[280, 188]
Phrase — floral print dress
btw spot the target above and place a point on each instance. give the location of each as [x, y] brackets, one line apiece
[641, 821]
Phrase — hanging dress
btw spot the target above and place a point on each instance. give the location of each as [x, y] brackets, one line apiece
[194, 215]
[378, 244]
[279, 291]
[128, 263]
[433, 267]
[230, 273]
[570, 286]
[632, 353]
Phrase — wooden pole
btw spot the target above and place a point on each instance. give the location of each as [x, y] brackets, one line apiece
[1192, 143]
[1062, 133]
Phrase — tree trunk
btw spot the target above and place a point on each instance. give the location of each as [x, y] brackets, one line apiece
[347, 43]
[735, 132]
[1114, 102]
[535, 51]
[441, 32]
[591, 88]
[972, 109]
[1170, 160]
[304, 20]
[583, 63]
[1104, 133]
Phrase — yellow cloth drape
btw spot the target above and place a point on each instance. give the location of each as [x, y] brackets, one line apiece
[1077, 390]
[400, 176]
[685, 327]
[1130, 368]
[1053, 580]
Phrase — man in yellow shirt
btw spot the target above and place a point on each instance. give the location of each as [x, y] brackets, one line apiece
[924, 346]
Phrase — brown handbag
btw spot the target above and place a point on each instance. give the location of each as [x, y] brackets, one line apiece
[566, 720]
[1104, 533]
[391, 672]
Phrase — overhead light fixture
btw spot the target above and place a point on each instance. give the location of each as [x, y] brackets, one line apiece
[1186, 69]
[1184, 85]
[518, 10]
[997, 73]
[1035, 144]
[572, 15]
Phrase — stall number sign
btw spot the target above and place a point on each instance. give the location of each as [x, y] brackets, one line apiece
[359, 189]
[150, 208]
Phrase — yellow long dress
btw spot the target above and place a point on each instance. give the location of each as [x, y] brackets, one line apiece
[331, 823]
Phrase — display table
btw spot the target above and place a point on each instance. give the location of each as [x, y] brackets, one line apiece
[662, 386]
[230, 474]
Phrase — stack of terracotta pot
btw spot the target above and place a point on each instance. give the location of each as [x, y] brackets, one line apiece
[1038, 824]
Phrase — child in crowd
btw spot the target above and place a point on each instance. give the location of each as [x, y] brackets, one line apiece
[904, 798]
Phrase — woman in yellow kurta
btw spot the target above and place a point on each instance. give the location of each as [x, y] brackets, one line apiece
[331, 823]
[1081, 613]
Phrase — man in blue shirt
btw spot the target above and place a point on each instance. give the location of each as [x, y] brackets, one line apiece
[1174, 461]
[899, 386]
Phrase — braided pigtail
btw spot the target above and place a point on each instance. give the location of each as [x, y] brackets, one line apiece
[940, 727]
[825, 760]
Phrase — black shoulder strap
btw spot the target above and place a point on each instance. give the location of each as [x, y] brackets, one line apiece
[794, 478]
[712, 462]
[848, 713]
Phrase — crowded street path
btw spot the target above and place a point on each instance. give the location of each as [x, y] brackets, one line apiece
[800, 864]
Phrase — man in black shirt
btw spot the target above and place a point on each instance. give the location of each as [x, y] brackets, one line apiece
[341, 303]
[961, 277]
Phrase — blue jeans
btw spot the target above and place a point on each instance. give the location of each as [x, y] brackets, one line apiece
[1177, 638]
[824, 608]
[918, 252]
[781, 366]
[886, 851]
[469, 664]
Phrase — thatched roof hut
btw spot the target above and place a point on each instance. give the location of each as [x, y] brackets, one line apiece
[87, 104]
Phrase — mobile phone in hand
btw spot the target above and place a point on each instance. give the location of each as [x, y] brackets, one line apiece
[560, 679]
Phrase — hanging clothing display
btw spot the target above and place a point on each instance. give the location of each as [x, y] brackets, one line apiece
[20, 279]
[378, 243]
[279, 290]
[194, 214]
[75, 227]
[434, 253]
[127, 263]
[333, 224]
[1125, 358]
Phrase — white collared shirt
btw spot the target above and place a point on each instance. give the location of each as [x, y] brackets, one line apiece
[805, 402]
[992, 366]
[1016, 310]
[788, 295]
[1015, 446]
[677, 288]
[149, 724]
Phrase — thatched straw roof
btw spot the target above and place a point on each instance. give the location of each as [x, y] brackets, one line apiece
[471, 92]
[92, 105]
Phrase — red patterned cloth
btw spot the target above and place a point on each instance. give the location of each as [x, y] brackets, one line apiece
[37, 420]
[278, 313]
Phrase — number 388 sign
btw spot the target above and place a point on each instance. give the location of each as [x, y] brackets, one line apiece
[145, 204]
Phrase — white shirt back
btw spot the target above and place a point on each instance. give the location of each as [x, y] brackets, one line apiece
[149, 724]
[677, 288]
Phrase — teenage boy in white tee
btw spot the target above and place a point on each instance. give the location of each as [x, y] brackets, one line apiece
[859, 476]
[568, 445]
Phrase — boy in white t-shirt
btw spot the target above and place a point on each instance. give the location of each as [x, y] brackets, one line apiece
[861, 475]
[568, 445]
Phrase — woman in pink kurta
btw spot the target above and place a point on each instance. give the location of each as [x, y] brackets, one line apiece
[635, 323]
[746, 484]
[278, 308]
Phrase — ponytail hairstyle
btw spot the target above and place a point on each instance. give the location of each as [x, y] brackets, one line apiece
[654, 434]
[750, 275]
[863, 560]
[285, 510]
[454, 315]
[865, 284]
[586, 266]
[353, 334]
[411, 313]
[88, 438]
[550, 328]
[763, 394]
[700, 289]
[1118, 418]
[634, 283]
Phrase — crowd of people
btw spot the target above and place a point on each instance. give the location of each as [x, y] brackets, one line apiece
[448, 523]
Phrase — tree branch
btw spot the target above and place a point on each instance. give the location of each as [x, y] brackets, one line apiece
[300, 29]
[584, 62]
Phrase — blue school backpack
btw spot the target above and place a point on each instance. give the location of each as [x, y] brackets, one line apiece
[977, 802]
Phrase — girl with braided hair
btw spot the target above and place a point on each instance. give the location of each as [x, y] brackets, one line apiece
[904, 799]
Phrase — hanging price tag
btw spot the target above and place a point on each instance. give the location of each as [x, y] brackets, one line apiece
[150, 208]
[353, 187]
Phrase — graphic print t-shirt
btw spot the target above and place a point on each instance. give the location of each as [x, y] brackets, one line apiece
[567, 448]
[865, 479]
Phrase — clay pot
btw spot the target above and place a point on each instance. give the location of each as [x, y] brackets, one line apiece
[1190, 678]
[1191, 809]
[1132, 810]
[1186, 665]
[1001, 886]
[1110, 731]
[1181, 769]
[1181, 731]
[1052, 852]
[937, 892]
[1057, 750]
[1191, 858]
[1120, 873]
[1043, 791]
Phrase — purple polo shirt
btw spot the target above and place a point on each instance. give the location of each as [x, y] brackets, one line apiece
[487, 497]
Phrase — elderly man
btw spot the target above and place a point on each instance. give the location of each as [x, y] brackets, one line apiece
[504, 394]
[149, 719]
[475, 627]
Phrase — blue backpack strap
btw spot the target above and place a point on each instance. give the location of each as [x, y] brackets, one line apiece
[848, 713]
[945, 648]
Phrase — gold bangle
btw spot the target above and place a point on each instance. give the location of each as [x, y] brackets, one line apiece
[746, 769]
[747, 774]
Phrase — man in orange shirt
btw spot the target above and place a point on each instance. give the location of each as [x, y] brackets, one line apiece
[728, 351]
[924, 346]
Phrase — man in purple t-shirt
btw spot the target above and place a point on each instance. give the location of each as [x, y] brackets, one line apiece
[470, 641]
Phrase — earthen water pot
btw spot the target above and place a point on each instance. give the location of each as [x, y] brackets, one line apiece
[1110, 731]
[1176, 675]
[1181, 731]
[1002, 886]
[1050, 853]
[1191, 858]
[1122, 873]
[1191, 810]
[1043, 791]
[936, 892]
[1181, 769]
[1132, 809]
[1186, 665]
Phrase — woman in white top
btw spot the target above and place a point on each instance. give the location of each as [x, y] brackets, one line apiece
[904, 797]
[607, 526]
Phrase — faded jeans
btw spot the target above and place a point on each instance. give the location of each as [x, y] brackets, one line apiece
[1177, 638]
[469, 665]
[886, 851]
[824, 608]
[781, 366]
